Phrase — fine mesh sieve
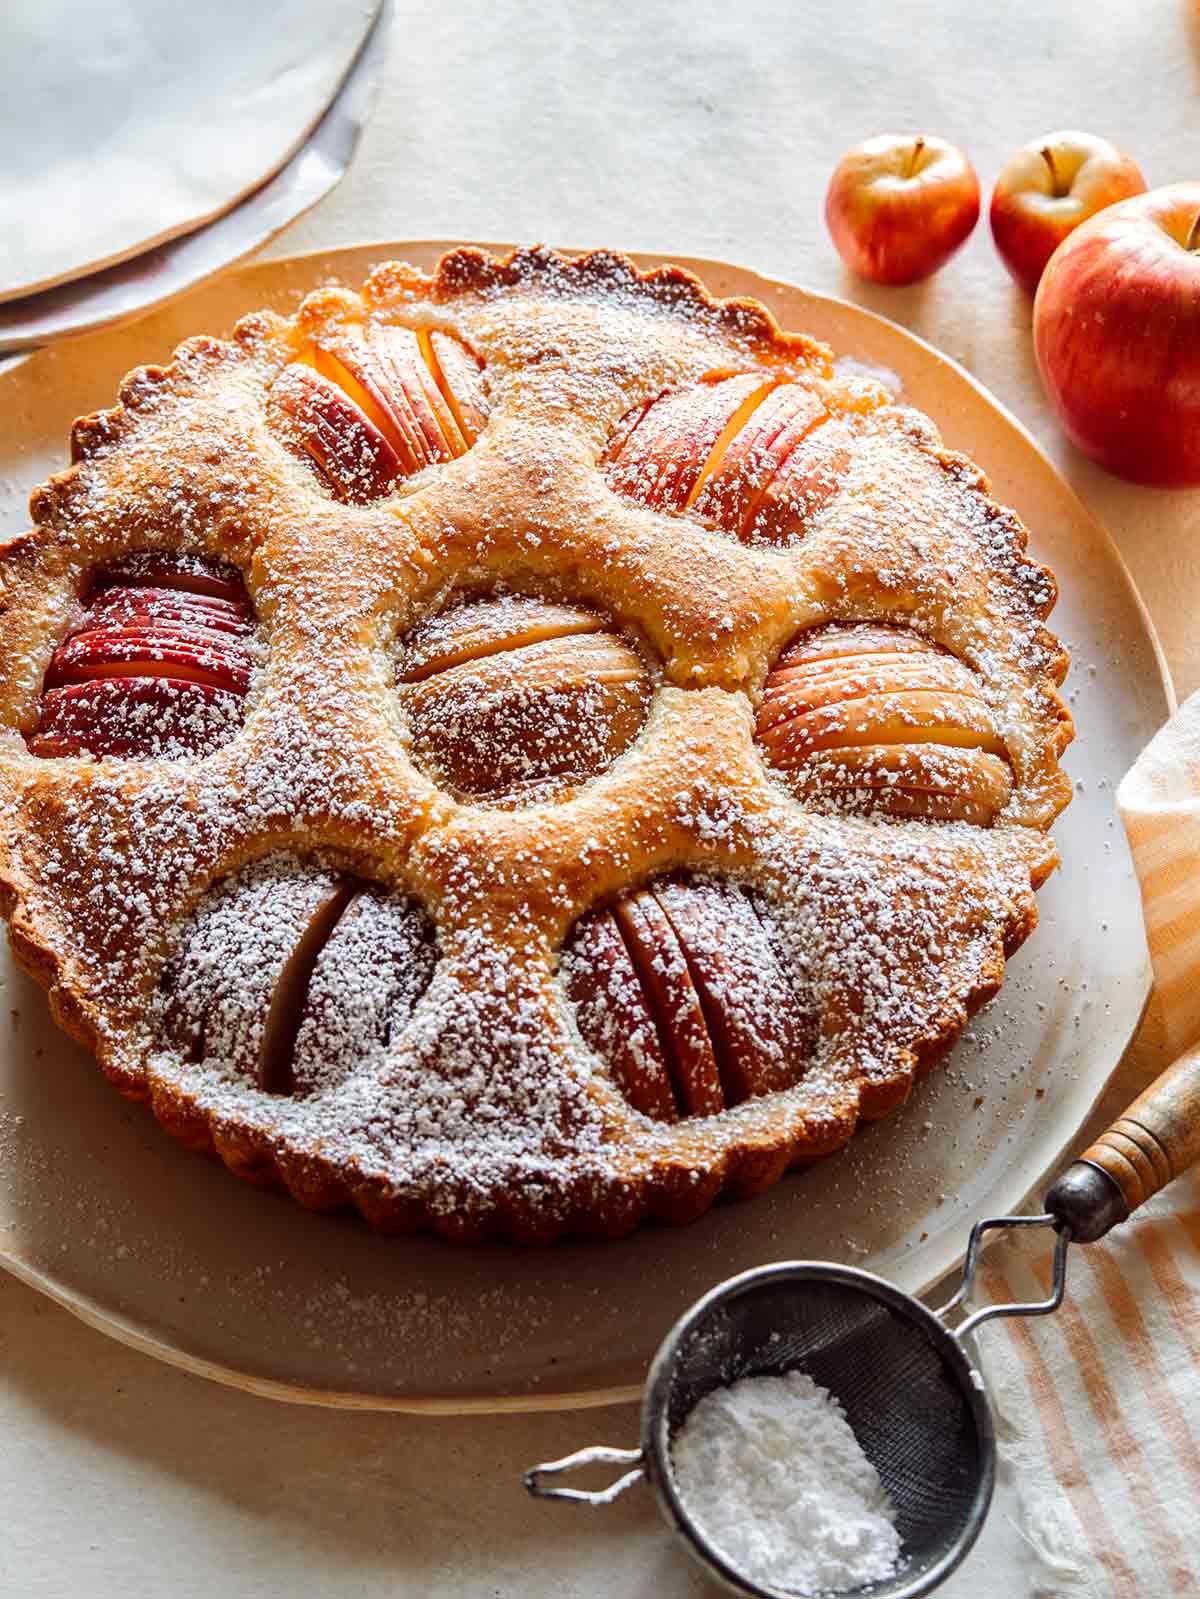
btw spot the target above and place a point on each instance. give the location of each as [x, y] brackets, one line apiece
[908, 1387]
[908, 1390]
[902, 1372]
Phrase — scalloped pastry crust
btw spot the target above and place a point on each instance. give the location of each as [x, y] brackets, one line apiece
[489, 1115]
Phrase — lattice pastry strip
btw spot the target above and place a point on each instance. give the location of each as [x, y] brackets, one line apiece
[637, 755]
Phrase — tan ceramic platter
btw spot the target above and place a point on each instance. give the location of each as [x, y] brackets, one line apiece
[164, 1250]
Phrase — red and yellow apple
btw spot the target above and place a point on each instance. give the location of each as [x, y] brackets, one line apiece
[899, 206]
[1048, 188]
[1116, 328]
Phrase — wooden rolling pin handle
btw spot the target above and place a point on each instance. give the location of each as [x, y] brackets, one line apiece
[1156, 1139]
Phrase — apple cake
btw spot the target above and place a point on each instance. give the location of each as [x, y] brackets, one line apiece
[523, 749]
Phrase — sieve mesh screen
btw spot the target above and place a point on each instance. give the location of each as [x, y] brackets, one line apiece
[906, 1402]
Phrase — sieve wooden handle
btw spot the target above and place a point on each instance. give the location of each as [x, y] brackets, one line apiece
[1156, 1140]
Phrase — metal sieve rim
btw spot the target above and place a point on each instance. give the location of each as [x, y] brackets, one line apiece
[656, 1443]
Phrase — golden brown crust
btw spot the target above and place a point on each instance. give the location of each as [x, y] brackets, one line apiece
[101, 862]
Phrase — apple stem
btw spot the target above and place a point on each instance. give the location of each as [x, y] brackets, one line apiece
[1193, 238]
[1048, 158]
[915, 155]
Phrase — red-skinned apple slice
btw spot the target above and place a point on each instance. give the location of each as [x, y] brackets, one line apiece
[731, 491]
[386, 376]
[471, 631]
[286, 1010]
[405, 353]
[135, 716]
[460, 377]
[313, 414]
[371, 405]
[808, 479]
[363, 988]
[927, 805]
[662, 460]
[627, 427]
[927, 781]
[760, 1037]
[912, 716]
[795, 691]
[123, 607]
[157, 668]
[291, 975]
[882, 668]
[659, 962]
[149, 632]
[864, 684]
[557, 708]
[153, 652]
[232, 989]
[184, 574]
[615, 1018]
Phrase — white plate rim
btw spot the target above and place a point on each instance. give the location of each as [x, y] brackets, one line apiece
[112, 1323]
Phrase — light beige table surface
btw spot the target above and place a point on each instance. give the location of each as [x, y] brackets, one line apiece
[701, 128]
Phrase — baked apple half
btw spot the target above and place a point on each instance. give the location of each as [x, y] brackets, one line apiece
[291, 976]
[513, 700]
[158, 666]
[369, 407]
[867, 718]
[679, 988]
[749, 454]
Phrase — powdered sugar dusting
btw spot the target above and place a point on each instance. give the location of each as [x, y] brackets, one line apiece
[365, 985]
[772, 1472]
[510, 700]
[478, 1106]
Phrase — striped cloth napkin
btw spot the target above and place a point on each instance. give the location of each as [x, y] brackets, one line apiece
[1099, 1404]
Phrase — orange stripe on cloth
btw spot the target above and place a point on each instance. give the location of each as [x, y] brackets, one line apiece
[1063, 1451]
[1178, 989]
[1123, 1447]
[1154, 835]
[1183, 1303]
[1159, 858]
[1189, 1220]
[1124, 1310]
[1155, 814]
[1171, 925]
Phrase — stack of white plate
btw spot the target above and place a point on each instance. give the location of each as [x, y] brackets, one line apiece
[148, 144]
